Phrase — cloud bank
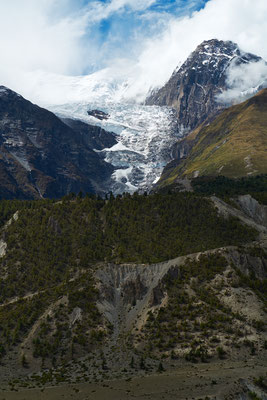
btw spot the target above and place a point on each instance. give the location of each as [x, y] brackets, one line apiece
[243, 81]
[143, 40]
[35, 36]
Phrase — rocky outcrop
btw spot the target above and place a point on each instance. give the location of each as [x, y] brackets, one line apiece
[98, 114]
[126, 290]
[226, 210]
[133, 290]
[130, 293]
[94, 136]
[40, 156]
[3, 247]
[181, 149]
[193, 88]
[248, 264]
[253, 209]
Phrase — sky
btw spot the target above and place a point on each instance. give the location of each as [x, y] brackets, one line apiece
[142, 39]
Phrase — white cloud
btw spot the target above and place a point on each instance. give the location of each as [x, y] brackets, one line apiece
[33, 38]
[97, 11]
[136, 5]
[53, 36]
[41, 38]
[243, 81]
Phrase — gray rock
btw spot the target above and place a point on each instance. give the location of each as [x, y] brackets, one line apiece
[40, 156]
[192, 89]
[253, 209]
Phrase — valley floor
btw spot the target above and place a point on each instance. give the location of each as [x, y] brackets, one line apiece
[218, 380]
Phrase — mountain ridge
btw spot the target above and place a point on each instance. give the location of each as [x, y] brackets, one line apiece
[193, 88]
[234, 144]
[43, 157]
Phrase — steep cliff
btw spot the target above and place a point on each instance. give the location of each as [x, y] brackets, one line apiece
[40, 156]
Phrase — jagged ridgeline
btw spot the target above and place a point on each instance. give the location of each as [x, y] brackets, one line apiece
[193, 88]
[51, 250]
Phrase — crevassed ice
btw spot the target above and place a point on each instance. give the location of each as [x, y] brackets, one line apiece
[145, 135]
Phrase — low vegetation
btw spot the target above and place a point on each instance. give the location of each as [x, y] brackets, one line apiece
[48, 291]
[196, 323]
[227, 187]
[232, 145]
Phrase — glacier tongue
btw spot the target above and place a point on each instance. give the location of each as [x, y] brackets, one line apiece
[145, 135]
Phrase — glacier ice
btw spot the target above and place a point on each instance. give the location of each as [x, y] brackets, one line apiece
[145, 135]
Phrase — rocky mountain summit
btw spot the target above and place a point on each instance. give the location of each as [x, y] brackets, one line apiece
[193, 88]
[40, 156]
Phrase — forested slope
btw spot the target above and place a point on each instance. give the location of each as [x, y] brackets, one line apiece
[59, 303]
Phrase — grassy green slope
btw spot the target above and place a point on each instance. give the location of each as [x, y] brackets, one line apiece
[233, 145]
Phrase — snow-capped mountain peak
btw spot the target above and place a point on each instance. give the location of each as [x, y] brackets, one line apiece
[193, 90]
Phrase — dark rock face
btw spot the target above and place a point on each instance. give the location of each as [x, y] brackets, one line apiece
[159, 292]
[157, 296]
[94, 136]
[133, 291]
[247, 263]
[192, 89]
[181, 149]
[40, 156]
[98, 114]
[253, 209]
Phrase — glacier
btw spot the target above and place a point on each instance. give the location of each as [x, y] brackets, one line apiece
[145, 134]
